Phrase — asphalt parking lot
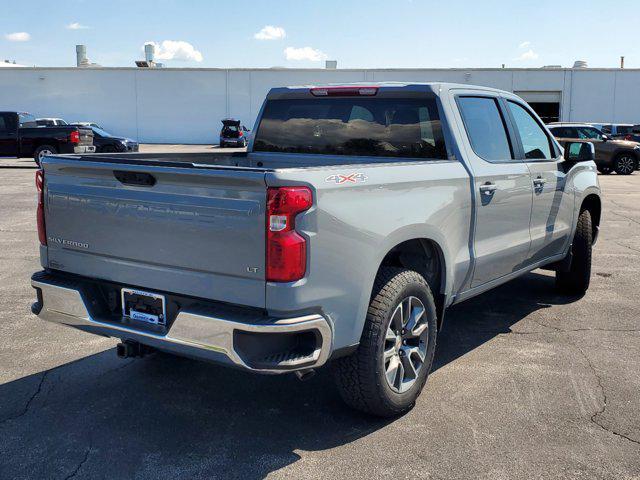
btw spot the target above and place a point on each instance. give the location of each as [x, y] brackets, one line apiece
[527, 384]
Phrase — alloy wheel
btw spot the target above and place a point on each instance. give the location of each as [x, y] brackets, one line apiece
[405, 346]
[44, 153]
[626, 164]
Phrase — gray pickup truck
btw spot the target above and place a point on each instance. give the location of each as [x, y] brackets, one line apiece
[358, 215]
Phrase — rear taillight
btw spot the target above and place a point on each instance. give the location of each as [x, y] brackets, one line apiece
[286, 249]
[628, 137]
[240, 133]
[42, 231]
[74, 137]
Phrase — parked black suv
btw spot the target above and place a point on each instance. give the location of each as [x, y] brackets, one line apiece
[21, 137]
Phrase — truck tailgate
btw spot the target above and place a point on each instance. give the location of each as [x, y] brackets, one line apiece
[191, 231]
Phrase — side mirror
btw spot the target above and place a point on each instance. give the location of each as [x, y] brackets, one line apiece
[575, 152]
[605, 138]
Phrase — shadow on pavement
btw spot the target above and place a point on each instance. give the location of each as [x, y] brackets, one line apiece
[166, 417]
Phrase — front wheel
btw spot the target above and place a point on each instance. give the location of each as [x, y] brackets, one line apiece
[390, 367]
[625, 164]
[576, 280]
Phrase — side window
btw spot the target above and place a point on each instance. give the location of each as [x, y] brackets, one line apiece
[589, 133]
[8, 122]
[535, 141]
[570, 133]
[485, 128]
[561, 132]
[606, 129]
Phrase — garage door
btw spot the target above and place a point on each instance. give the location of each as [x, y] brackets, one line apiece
[545, 104]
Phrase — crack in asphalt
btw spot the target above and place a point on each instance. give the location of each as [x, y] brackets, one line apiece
[627, 246]
[571, 330]
[38, 390]
[84, 460]
[594, 417]
[624, 216]
[29, 401]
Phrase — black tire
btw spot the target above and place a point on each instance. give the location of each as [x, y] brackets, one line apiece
[576, 280]
[625, 164]
[223, 145]
[362, 376]
[605, 170]
[41, 150]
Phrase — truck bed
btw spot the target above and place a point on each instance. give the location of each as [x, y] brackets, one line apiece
[258, 161]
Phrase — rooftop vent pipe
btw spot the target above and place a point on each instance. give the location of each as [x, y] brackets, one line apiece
[149, 52]
[81, 56]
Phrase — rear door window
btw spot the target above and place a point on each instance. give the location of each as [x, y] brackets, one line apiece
[382, 127]
[563, 132]
[486, 128]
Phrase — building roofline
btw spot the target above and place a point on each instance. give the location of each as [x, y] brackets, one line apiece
[284, 69]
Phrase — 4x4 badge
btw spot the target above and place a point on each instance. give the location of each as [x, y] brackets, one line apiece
[350, 178]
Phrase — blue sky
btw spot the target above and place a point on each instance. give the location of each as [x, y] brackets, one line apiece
[357, 33]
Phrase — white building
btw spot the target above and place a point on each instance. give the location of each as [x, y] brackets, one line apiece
[186, 105]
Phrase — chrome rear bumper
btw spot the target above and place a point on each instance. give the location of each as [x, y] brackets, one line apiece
[192, 334]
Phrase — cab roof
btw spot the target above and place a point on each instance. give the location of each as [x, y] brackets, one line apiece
[431, 87]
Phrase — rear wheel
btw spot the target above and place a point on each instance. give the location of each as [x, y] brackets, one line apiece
[388, 371]
[625, 164]
[576, 280]
[43, 151]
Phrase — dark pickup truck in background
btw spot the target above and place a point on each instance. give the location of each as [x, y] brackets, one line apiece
[21, 137]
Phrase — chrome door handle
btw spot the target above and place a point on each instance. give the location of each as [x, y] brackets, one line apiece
[488, 188]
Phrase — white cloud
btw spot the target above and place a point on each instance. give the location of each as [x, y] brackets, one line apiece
[269, 32]
[524, 44]
[304, 53]
[77, 26]
[18, 37]
[528, 55]
[176, 50]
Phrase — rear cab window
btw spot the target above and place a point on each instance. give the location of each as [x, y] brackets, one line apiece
[27, 120]
[486, 128]
[355, 126]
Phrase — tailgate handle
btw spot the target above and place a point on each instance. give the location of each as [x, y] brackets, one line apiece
[135, 178]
